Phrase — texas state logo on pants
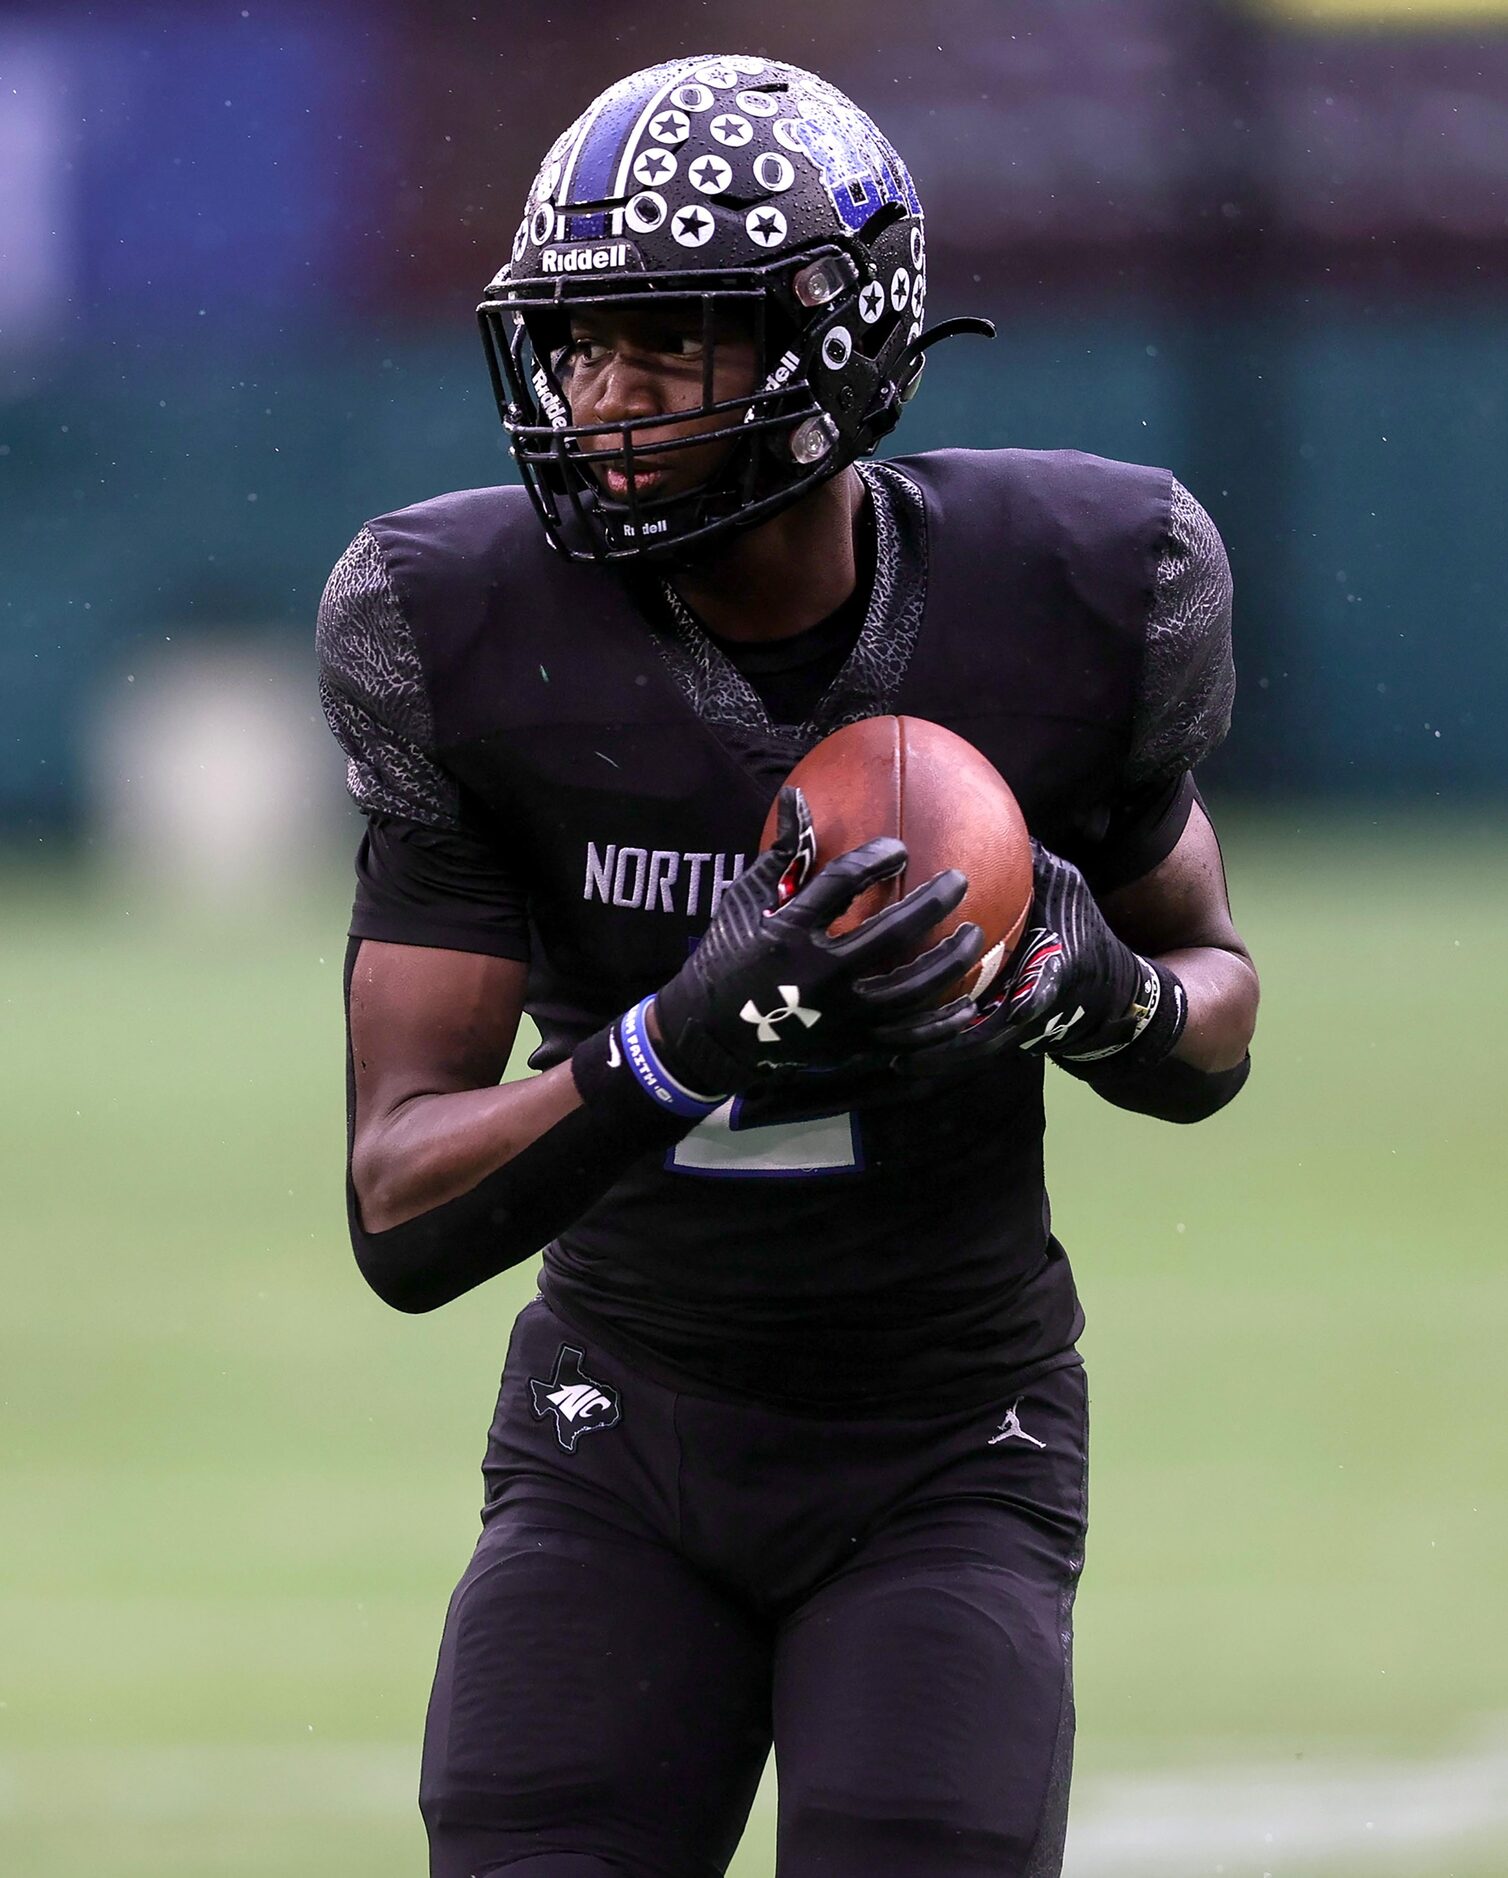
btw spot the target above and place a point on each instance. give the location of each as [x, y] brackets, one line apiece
[580, 1404]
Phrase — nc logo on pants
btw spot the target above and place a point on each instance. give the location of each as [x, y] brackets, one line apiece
[580, 1405]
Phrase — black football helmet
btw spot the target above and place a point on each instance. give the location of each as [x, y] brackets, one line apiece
[719, 183]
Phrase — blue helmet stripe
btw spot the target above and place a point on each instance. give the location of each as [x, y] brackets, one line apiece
[597, 161]
[653, 103]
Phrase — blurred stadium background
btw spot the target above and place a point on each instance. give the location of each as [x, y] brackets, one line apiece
[1266, 245]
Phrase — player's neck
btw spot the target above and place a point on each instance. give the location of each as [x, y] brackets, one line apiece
[781, 578]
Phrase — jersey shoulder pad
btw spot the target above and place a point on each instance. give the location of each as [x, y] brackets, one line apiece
[1066, 479]
[472, 569]
[453, 549]
[1086, 509]
[1053, 531]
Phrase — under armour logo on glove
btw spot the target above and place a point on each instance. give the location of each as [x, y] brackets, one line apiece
[1055, 1029]
[765, 1021]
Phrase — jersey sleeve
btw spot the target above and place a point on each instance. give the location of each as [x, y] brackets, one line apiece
[371, 685]
[425, 874]
[1188, 680]
[1183, 703]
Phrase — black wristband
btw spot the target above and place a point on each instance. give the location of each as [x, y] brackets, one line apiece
[1147, 1029]
[1158, 1036]
[627, 1090]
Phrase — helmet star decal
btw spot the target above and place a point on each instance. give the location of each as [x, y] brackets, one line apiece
[692, 227]
[871, 302]
[653, 167]
[733, 131]
[670, 126]
[711, 175]
[766, 227]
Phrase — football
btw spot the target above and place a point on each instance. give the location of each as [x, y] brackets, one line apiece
[932, 789]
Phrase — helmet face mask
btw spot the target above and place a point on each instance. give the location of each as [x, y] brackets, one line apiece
[780, 211]
[561, 458]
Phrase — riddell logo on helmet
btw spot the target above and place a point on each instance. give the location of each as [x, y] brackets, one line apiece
[786, 368]
[584, 260]
[552, 406]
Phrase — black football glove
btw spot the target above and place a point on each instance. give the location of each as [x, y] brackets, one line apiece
[769, 988]
[1075, 993]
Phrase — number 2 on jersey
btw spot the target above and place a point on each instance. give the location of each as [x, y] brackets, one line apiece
[726, 1147]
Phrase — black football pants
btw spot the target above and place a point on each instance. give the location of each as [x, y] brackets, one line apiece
[666, 1582]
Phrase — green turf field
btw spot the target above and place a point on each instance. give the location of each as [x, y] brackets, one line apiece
[237, 1489]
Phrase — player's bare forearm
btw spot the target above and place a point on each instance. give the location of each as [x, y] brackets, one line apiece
[1222, 991]
[1179, 915]
[432, 1148]
[431, 1033]
[454, 1178]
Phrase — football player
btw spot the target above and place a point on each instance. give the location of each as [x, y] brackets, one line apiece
[791, 1445]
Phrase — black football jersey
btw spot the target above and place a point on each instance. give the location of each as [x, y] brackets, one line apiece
[561, 765]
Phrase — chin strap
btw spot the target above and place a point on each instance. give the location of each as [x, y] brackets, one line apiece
[912, 360]
[893, 397]
[949, 329]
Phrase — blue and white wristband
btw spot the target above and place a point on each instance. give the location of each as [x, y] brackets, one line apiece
[643, 1063]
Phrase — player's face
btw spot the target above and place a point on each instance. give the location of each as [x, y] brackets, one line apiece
[624, 363]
